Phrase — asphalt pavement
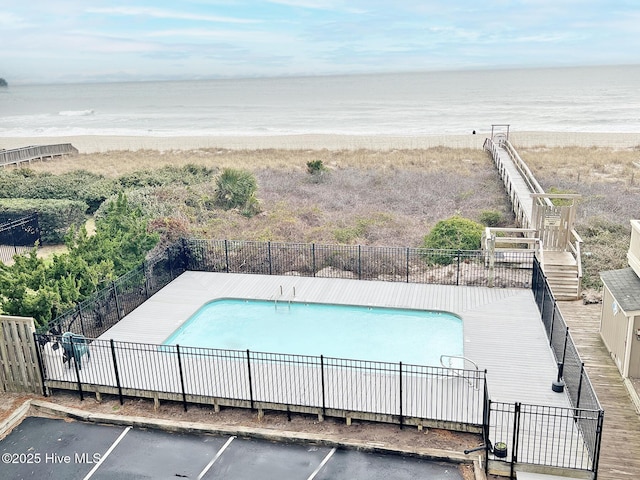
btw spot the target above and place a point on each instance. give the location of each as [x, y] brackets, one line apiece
[42, 448]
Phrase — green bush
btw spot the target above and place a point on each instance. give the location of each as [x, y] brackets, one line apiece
[188, 175]
[77, 185]
[316, 167]
[492, 218]
[54, 216]
[237, 189]
[455, 233]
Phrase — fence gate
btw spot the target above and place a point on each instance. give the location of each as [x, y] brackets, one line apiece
[19, 367]
[554, 222]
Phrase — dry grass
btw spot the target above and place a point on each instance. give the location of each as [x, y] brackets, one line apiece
[367, 196]
[115, 163]
[375, 197]
[609, 182]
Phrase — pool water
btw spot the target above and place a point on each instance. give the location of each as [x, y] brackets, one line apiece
[355, 332]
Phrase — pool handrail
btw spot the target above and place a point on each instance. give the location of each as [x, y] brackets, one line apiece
[454, 369]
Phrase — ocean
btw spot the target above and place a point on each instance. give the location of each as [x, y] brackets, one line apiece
[584, 99]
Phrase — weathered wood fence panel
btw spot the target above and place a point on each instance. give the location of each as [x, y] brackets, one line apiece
[19, 367]
[37, 152]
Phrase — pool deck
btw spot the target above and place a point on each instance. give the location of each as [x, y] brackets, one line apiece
[502, 329]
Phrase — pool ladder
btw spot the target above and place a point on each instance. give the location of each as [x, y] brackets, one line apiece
[473, 382]
[279, 297]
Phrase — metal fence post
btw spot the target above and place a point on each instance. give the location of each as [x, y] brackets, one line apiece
[184, 395]
[81, 319]
[407, 264]
[115, 370]
[580, 385]
[313, 258]
[401, 416]
[516, 436]
[75, 365]
[359, 262]
[40, 363]
[553, 321]
[115, 295]
[598, 445]
[269, 256]
[146, 279]
[250, 381]
[486, 419]
[324, 409]
[226, 255]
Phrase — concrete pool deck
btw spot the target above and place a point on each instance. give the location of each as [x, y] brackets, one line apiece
[502, 329]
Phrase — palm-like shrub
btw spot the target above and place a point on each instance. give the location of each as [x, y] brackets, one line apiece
[237, 189]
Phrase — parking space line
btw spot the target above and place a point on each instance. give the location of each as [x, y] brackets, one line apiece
[107, 453]
[213, 460]
[322, 464]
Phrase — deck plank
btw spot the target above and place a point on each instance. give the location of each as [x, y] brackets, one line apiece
[620, 453]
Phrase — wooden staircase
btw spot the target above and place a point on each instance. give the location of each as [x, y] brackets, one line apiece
[562, 272]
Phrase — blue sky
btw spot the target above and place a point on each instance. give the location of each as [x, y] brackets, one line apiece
[92, 40]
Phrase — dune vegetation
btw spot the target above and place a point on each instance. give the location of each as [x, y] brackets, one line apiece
[368, 197]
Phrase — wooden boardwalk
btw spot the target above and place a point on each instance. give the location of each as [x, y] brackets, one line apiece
[620, 452]
[17, 156]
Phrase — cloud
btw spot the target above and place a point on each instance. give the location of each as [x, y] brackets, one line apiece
[169, 14]
[12, 21]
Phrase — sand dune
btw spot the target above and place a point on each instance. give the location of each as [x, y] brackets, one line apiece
[93, 144]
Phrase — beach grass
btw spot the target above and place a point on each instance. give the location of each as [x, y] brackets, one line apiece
[386, 197]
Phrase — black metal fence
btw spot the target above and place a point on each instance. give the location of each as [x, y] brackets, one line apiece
[390, 392]
[545, 435]
[571, 370]
[18, 233]
[100, 312]
[396, 393]
[395, 264]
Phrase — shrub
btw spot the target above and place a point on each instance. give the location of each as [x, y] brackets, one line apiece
[54, 216]
[187, 175]
[77, 185]
[237, 189]
[316, 167]
[455, 233]
[492, 218]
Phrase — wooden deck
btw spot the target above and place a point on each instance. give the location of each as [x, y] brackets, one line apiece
[502, 333]
[502, 328]
[620, 453]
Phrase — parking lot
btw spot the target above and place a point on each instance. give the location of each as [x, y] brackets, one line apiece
[53, 448]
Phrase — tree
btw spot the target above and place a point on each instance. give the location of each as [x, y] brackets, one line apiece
[121, 237]
[45, 289]
[3, 83]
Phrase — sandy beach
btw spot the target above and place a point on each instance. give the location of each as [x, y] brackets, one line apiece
[94, 144]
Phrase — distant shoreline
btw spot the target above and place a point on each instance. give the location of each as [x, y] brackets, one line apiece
[97, 143]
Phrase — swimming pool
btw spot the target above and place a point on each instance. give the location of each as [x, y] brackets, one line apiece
[343, 331]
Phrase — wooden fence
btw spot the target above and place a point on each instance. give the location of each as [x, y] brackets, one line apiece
[19, 366]
[37, 152]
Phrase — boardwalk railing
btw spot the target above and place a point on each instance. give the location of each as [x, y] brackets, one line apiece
[18, 235]
[37, 152]
[378, 391]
